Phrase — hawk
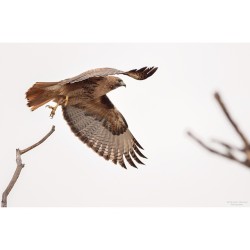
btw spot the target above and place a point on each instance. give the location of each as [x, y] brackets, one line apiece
[90, 114]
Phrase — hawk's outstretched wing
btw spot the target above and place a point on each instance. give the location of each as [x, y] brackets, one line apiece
[138, 74]
[103, 128]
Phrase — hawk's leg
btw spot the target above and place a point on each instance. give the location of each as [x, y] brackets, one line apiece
[66, 100]
[60, 102]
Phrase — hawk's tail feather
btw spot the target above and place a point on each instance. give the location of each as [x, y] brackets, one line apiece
[40, 93]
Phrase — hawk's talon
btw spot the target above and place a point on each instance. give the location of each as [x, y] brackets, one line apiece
[53, 110]
[61, 102]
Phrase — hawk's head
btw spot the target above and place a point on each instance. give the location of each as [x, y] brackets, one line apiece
[114, 82]
[108, 83]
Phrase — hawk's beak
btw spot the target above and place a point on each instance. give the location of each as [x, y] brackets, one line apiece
[122, 84]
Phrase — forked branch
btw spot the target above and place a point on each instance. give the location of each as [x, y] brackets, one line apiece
[20, 166]
[229, 149]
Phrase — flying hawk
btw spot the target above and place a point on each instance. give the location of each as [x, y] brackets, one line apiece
[90, 114]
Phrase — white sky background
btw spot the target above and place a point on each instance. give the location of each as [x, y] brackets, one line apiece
[65, 172]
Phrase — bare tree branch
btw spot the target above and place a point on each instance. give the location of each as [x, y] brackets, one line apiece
[229, 149]
[20, 166]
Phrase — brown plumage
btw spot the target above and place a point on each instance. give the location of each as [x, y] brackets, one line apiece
[90, 114]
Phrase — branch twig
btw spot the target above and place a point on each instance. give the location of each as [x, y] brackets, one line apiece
[229, 149]
[230, 119]
[20, 166]
[227, 155]
[228, 146]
